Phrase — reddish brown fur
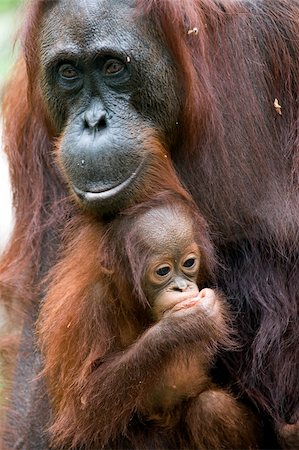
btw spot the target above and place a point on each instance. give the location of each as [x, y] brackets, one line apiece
[242, 138]
[99, 305]
[244, 57]
[93, 304]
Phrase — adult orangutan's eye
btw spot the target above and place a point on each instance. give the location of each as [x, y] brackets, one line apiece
[113, 67]
[68, 72]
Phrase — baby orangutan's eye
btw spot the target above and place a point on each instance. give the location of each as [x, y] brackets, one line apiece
[189, 263]
[163, 271]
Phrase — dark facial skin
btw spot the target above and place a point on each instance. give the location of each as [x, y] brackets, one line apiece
[103, 97]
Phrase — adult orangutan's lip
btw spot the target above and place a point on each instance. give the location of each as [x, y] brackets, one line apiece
[102, 195]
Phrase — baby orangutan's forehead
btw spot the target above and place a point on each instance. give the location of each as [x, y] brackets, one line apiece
[166, 229]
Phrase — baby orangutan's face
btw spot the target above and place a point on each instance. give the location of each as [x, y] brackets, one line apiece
[170, 279]
[173, 263]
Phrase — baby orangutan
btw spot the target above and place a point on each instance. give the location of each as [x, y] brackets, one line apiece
[184, 390]
[145, 377]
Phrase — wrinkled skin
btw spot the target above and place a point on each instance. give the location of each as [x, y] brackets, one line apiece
[100, 87]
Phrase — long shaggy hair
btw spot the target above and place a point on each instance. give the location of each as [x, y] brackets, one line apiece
[237, 155]
[95, 299]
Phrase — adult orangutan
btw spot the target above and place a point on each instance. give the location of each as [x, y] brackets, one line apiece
[111, 84]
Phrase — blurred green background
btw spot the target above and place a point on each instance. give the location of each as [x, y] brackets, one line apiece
[9, 24]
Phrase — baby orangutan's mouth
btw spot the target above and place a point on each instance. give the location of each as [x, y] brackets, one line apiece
[182, 305]
[186, 304]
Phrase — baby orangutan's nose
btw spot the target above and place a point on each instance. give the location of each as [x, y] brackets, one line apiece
[180, 284]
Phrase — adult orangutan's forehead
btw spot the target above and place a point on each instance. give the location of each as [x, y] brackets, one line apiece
[95, 9]
[86, 22]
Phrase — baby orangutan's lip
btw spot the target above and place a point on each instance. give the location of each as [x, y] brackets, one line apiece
[186, 304]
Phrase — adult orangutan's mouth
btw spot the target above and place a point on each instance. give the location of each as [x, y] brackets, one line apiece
[98, 194]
